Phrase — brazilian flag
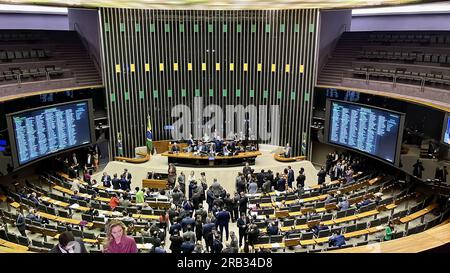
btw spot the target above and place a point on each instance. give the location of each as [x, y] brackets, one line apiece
[149, 136]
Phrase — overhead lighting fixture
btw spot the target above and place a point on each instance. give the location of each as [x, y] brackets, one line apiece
[31, 9]
[442, 7]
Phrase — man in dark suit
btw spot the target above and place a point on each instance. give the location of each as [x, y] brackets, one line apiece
[127, 177]
[223, 219]
[174, 227]
[418, 169]
[242, 224]
[260, 178]
[115, 182]
[290, 176]
[321, 176]
[301, 178]
[187, 246]
[246, 170]
[208, 234]
[202, 213]
[281, 184]
[243, 203]
[175, 242]
[240, 183]
[106, 179]
[187, 221]
[123, 183]
[229, 205]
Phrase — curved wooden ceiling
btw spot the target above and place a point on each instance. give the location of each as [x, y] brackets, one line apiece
[216, 5]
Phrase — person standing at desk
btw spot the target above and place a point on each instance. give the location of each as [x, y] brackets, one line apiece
[212, 149]
[182, 183]
[321, 176]
[115, 182]
[418, 169]
[172, 171]
[89, 161]
[287, 151]
[226, 152]
[191, 144]
[223, 219]
[290, 176]
[75, 164]
[206, 137]
[247, 170]
[301, 178]
[127, 177]
[106, 180]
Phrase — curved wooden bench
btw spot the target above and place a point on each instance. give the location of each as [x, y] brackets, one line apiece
[281, 158]
[145, 158]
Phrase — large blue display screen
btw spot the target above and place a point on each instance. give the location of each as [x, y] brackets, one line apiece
[366, 129]
[39, 133]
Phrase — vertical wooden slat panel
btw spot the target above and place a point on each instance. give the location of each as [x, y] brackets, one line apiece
[153, 45]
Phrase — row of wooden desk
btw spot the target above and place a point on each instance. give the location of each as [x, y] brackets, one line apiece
[324, 196]
[13, 246]
[418, 214]
[305, 211]
[423, 241]
[296, 241]
[63, 220]
[191, 159]
[371, 230]
[154, 204]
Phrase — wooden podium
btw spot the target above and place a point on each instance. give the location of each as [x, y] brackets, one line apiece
[155, 184]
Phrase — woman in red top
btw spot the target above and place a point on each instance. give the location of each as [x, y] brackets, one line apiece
[114, 202]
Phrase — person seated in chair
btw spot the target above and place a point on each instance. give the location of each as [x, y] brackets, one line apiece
[317, 229]
[272, 229]
[344, 204]
[76, 196]
[201, 149]
[175, 148]
[68, 244]
[212, 149]
[364, 202]
[34, 217]
[33, 198]
[336, 240]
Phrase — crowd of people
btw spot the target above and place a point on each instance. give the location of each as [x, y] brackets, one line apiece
[343, 165]
[200, 216]
[215, 145]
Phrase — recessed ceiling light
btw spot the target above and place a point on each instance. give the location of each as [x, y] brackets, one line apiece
[31, 9]
[443, 7]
